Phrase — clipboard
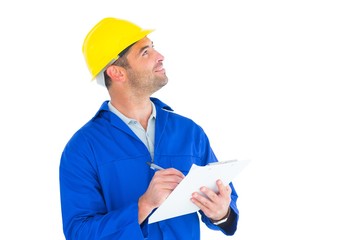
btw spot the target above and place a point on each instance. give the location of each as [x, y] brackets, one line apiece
[178, 202]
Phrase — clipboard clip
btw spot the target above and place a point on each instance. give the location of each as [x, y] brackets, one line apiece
[222, 162]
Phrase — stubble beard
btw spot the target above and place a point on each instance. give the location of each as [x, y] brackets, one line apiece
[147, 83]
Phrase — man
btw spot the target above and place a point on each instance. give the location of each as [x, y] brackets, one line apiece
[108, 191]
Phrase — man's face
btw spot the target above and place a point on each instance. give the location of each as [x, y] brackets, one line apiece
[146, 72]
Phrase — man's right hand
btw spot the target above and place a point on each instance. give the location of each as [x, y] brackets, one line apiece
[160, 187]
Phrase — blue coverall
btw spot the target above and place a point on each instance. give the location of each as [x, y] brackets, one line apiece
[103, 172]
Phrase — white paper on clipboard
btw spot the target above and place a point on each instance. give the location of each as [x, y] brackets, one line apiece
[178, 202]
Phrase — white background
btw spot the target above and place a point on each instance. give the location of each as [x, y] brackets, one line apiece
[276, 82]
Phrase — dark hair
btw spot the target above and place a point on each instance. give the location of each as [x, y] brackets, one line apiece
[121, 61]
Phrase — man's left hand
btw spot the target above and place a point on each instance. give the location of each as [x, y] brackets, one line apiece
[214, 205]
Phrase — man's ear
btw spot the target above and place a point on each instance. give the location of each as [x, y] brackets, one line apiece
[116, 73]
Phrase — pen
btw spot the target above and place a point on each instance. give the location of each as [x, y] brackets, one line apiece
[153, 166]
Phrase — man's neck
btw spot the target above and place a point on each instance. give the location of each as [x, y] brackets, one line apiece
[138, 110]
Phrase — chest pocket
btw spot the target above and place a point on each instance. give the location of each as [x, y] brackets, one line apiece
[181, 163]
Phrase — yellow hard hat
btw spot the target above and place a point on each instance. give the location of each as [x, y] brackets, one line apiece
[106, 40]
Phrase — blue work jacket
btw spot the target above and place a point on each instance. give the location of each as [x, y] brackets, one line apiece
[103, 172]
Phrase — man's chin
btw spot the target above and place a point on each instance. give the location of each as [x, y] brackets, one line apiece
[164, 80]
